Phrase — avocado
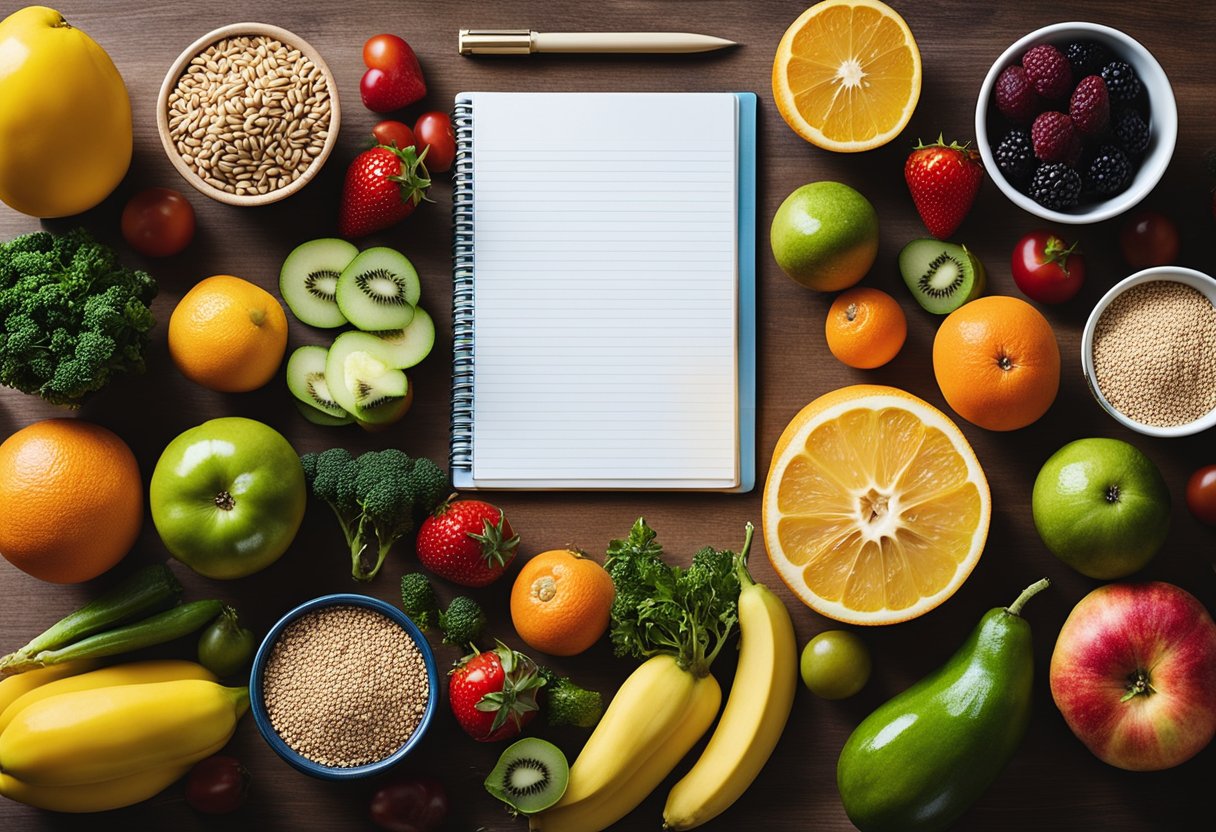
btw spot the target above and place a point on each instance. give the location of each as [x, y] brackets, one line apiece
[921, 759]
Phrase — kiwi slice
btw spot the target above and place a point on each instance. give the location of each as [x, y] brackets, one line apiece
[308, 280]
[378, 290]
[306, 381]
[359, 381]
[320, 417]
[531, 775]
[941, 276]
[407, 347]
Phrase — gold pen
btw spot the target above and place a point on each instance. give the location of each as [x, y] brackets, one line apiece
[525, 42]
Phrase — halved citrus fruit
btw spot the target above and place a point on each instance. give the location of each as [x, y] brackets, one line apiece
[846, 76]
[875, 508]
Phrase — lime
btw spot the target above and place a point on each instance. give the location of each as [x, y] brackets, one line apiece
[835, 664]
[825, 236]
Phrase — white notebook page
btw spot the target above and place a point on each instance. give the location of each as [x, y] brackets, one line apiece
[605, 290]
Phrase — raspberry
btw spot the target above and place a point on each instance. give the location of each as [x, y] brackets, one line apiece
[1089, 106]
[1086, 57]
[1054, 138]
[1131, 132]
[1015, 98]
[1110, 171]
[1056, 186]
[1015, 158]
[1048, 71]
[1121, 81]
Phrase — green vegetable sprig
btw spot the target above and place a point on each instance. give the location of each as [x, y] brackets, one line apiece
[71, 317]
[377, 496]
[688, 613]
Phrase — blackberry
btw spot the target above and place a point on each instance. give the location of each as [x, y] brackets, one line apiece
[1109, 172]
[1121, 81]
[1132, 132]
[1056, 186]
[1015, 158]
[1086, 57]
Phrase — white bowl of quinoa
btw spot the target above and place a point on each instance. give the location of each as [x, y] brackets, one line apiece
[1148, 352]
[343, 686]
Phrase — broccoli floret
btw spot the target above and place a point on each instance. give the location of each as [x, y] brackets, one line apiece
[565, 703]
[418, 600]
[462, 622]
[377, 496]
[71, 317]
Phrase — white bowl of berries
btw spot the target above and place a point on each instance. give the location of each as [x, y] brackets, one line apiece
[1076, 122]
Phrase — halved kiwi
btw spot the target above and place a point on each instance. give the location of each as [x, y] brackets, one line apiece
[941, 276]
[361, 383]
[407, 347]
[308, 280]
[531, 775]
[320, 417]
[378, 290]
[306, 381]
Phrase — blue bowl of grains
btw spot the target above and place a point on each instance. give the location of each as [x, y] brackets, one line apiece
[1148, 352]
[344, 686]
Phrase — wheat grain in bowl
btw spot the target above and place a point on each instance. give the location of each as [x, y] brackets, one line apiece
[250, 114]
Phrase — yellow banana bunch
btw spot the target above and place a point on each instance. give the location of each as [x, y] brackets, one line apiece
[14, 687]
[754, 717]
[113, 737]
[636, 776]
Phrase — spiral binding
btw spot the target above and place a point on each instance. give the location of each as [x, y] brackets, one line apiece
[461, 448]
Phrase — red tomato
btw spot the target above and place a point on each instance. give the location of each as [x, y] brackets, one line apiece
[1046, 268]
[385, 52]
[412, 804]
[217, 785]
[394, 133]
[1149, 239]
[434, 130]
[158, 222]
[1201, 494]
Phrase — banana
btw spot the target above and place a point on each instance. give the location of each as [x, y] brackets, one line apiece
[755, 713]
[89, 736]
[607, 806]
[131, 673]
[15, 686]
[93, 797]
[645, 711]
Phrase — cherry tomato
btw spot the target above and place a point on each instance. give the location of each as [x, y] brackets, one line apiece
[1201, 494]
[411, 804]
[158, 222]
[385, 52]
[217, 785]
[1046, 268]
[434, 130]
[1149, 239]
[393, 133]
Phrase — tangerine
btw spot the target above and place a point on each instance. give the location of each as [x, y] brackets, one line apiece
[997, 362]
[72, 498]
[560, 602]
[865, 328]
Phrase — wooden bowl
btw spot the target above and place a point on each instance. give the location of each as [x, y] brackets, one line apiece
[179, 66]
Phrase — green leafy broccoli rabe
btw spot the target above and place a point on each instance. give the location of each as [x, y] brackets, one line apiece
[71, 317]
[377, 496]
[688, 613]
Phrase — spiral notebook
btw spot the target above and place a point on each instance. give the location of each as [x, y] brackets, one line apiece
[604, 298]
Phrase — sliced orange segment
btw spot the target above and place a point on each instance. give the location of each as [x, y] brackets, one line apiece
[875, 508]
[846, 76]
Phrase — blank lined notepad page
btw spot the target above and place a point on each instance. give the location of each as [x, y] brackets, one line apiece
[605, 290]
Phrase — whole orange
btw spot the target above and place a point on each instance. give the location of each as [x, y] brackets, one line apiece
[997, 362]
[560, 602]
[73, 501]
[865, 328]
[228, 335]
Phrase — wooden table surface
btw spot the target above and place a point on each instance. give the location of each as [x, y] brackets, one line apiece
[1052, 783]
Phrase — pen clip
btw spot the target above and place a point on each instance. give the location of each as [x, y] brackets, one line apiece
[494, 41]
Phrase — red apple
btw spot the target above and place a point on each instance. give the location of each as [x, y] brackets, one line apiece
[1134, 674]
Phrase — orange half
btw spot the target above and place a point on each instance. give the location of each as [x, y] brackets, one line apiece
[847, 74]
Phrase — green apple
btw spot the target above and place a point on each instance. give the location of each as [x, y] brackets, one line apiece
[227, 497]
[825, 236]
[835, 664]
[1102, 507]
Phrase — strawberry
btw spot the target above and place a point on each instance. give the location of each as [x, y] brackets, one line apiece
[493, 694]
[944, 179]
[469, 542]
[383, 186]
